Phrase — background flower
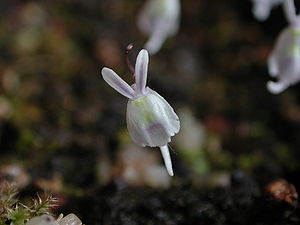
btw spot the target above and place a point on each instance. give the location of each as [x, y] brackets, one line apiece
[159, 19]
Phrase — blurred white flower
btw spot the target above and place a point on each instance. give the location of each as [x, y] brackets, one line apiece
[42, 220]
[261, 8]
[151, 121]
[138, 167]
[70, 219]
[159, 19]
[284, 60]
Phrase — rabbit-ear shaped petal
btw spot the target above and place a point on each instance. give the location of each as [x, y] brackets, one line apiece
[117, 83]
[261, 10]
[290, 11]
[141, 70]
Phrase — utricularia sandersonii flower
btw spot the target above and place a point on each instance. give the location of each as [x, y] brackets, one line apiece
[151, 121]
[261, 8]
[159, 19]
[284, 60]
[46, 219]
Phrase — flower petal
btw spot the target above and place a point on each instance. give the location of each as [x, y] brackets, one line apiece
[167, 159]
[43, 219]
[70, 219]
[261, 10]
[290, 11]
[284, 61]
[156, 40]
[171, 119]
[159, 19]
[272, 65]
[146, 17]
[280, 52]
[276, 87]
[141, 70]
[117, 82]
[151, 121]
[142, 129]
[281, 46]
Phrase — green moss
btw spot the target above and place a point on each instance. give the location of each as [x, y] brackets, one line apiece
[13, 212]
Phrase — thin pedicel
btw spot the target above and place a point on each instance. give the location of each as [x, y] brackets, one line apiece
[127, 50]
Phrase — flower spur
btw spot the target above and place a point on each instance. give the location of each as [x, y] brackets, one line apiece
[151, 121]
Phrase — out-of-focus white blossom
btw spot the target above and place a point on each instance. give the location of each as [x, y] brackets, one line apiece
[192, 133]
[284, 60]
[261, 8]
[159, 19]
[138, 167]
[42, 220]
[70, 219]
[151, 121]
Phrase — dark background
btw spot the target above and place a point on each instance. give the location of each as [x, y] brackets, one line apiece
[63, 130]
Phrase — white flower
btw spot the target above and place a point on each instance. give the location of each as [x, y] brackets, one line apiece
[284, 60]
[70, 219]
[42, 220]
[159, 19]
[151, 121]
[261, 8]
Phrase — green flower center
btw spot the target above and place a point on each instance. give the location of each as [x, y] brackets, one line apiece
[142, 106]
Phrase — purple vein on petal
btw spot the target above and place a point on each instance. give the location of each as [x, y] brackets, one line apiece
[117, 82]
[141, 69]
